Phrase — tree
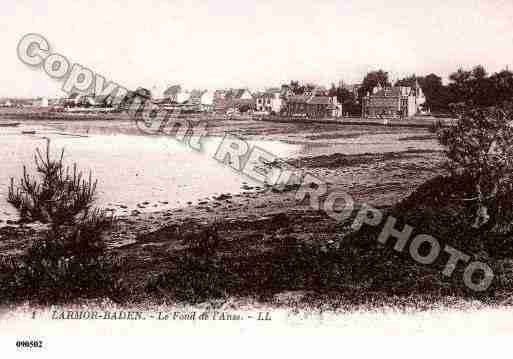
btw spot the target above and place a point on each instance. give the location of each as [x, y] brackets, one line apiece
[244, 108]
[373, 79]
[479, 73]
[144, 92]
[332, 91]
[296, 88]
[434, 91]
[476, 88]
[346, 98]
[501, 84]
[438, 96]
[409, 81]
[69, 259]
[172, 91]
[299, 88]
[472, 87]
[480, 148]
[58, 198]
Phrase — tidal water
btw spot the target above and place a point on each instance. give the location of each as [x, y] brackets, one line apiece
[146, 173]
[152, 173]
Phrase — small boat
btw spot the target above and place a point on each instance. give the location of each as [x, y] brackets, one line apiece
[28, 132]
[10, 124]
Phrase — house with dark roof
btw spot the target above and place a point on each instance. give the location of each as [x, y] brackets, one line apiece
[239, 98]
[225, 100]
[393, 102]
[311, 104]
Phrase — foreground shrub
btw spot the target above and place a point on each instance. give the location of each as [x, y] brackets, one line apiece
[45, 275]
[69, 259]
[480, 148]
[197, 274]
[58, 196]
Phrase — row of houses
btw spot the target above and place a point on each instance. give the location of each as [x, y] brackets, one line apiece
[308, 102]
[270, 101]
[313, 102]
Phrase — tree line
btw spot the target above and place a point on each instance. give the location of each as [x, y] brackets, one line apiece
[474, 87]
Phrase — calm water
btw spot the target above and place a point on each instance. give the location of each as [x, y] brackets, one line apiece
[130, 169]
[133, 169]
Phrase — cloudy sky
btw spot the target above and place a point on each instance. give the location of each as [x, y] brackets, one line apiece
[236, 43]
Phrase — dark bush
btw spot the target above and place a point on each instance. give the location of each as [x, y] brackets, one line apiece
[57, 197]
[480, 147]
[68, 260]
[195, 275]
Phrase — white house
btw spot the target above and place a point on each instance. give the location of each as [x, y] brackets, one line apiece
[336, 107]
[182, 96]
[269, 101]
[207, 101]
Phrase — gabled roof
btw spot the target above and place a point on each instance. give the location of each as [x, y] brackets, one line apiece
[239, 93]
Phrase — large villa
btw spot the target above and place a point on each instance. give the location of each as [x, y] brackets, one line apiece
[399, 101]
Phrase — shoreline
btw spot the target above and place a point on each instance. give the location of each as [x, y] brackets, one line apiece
[415, 122]
[254, 224]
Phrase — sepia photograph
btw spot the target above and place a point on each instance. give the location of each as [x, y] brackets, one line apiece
[218, 178]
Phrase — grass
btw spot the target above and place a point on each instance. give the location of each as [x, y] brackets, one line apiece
[316, 255]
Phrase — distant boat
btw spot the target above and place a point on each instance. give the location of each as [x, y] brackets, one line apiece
[10, 124]
[28, 132]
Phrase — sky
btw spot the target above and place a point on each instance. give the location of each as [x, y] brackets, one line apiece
[256, 44]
